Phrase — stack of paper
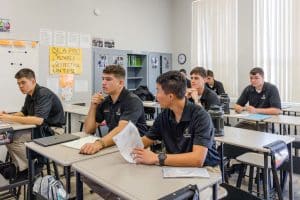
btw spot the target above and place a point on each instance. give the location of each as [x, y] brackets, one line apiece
[128, 139]
[184, 172]
[77, 144]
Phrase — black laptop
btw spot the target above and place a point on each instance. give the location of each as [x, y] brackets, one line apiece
[55, 139]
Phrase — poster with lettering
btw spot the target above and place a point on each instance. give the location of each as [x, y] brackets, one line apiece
[64, 60]
[66, 83]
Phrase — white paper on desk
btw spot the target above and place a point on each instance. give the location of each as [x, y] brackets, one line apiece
[184, 172]
[128, 139]
[4, 125]
[77, 144]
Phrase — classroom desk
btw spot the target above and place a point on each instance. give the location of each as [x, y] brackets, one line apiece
[151, 104]
[292, 109]
[62, 155]
[74, 109]
[17, 126]
[132, 181]
[255, 141]
[242, 116]
[284, 120]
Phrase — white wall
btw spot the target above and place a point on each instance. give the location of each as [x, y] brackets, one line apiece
[133, 24]
[181, 31]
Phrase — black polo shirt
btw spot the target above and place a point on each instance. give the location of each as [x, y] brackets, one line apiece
[267, 98]
[195, 128]
[128, 107]
[208, 99]
[217, 87]
[44, 104]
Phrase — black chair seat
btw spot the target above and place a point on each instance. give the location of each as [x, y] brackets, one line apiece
[234, 193]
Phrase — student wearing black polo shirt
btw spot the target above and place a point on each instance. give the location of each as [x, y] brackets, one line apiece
[117, 109]
[213, 84]
[42, 108]
[262, 97]
[199, 93]
[185, 128]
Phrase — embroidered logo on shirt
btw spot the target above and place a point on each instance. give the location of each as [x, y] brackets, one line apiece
[263, 96]
[186, 133]
[118, 111]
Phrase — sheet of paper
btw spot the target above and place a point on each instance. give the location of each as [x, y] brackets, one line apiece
[128, 139]
[73, 39]
[53, 85]
[184, 172]
[81, 86]
[4, 125]
[45, 37]
[59, 38]
[85, 40]
[77, 144]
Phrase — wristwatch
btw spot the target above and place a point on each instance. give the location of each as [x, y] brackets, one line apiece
[161, 158]
[101, 142]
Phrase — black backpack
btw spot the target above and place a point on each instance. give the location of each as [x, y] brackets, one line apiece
[145, 95]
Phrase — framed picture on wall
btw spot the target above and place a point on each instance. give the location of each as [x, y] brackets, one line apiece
[4, 25]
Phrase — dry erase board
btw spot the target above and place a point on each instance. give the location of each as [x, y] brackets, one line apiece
[12, 59]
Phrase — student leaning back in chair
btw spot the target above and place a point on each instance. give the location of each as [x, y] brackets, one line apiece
[184, 127]
[117, 109]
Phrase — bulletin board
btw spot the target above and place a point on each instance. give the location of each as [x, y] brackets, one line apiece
[15, 55]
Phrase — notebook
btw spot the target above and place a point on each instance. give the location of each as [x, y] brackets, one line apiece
[77, 144]
[55, 139]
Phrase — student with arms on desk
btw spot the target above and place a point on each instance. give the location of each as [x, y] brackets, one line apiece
[185, 128]
[42, 107]
[263, 97]
[117, 109]
[199, 93]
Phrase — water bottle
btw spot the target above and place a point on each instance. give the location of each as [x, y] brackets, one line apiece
[224, 99]
[217, 116]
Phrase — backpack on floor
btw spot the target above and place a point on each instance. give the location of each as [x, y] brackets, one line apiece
[50, 188]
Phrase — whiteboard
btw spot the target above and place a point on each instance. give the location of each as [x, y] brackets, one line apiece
[12, 59]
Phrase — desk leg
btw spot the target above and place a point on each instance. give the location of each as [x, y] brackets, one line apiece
[30, 174]
[68, 178]
[215, 191]
[222, 161]
[266, 178]
[79, 187]
[69, 122]
[291, 191]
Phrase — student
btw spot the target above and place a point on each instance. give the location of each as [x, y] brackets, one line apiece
[185, 128]
[117, 109]
[199, 93]
[262, 97]
[213, 84]
[42, 107]
[188, 81]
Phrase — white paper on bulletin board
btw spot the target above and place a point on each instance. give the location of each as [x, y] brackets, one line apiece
[81, 86]
[52, 84]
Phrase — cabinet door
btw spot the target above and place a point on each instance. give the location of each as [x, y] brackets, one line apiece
[166, 62]
[153, 71]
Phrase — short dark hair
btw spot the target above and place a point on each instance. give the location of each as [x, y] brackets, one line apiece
[173, 82]
[257, 70]
[210, 73]
[182, 70]
[200, 71]
[25, 73]
[117, 70]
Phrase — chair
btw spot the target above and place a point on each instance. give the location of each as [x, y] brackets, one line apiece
[257, 160]
[99, 127]
[234, 193]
